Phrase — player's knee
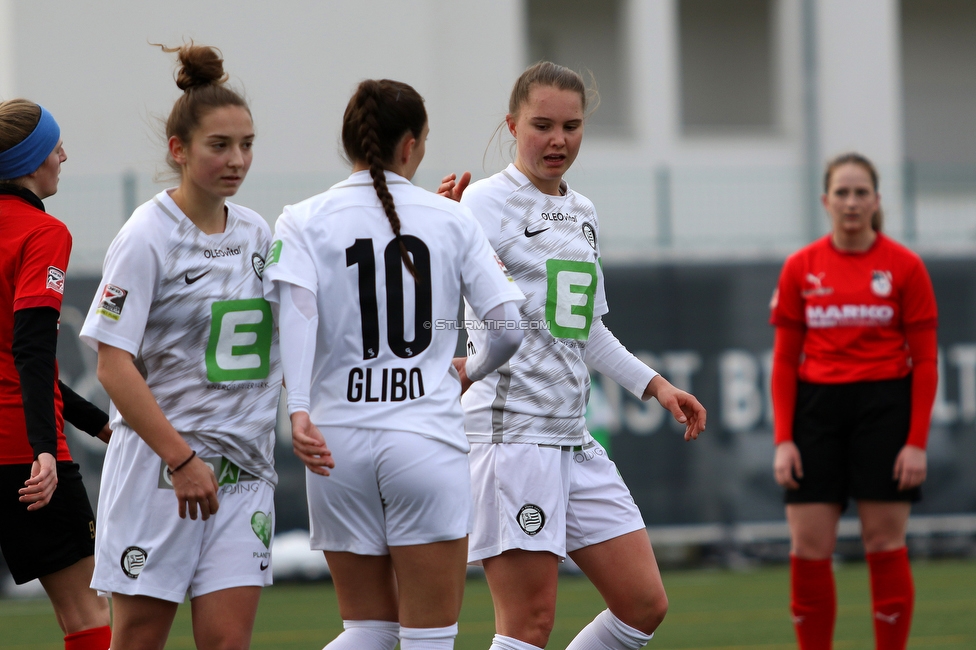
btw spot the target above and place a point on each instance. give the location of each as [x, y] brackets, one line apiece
[85, 613]
[644, 612]
[534, 626]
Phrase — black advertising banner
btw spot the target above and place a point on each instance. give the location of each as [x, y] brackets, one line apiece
[705, 327]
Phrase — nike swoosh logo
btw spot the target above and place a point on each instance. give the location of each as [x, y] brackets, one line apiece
[264, 565]
[190, 280]
[533, 233]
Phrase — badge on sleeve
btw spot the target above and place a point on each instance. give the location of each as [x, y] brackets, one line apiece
[55, 279]
[113, 299]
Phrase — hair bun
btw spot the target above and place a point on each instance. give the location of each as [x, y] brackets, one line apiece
[200, 65]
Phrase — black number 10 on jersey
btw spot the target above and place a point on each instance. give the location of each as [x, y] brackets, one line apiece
[361, 383]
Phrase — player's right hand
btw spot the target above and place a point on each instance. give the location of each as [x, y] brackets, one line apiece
[195, 485]
[787, 467]
[39, 488]
[308, 443]
[451, 187]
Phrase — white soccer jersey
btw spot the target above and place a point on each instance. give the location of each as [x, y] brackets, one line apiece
[550, 245]
[190, 307]
[385, 341]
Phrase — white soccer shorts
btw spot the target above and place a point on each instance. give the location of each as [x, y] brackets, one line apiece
[541, 498]
[143, 548]
[388, 488]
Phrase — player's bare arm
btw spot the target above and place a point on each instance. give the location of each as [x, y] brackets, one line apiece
[193, 481]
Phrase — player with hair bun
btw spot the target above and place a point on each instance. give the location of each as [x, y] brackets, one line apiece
[367, 277]
[543, 488]
[187, 350]
[48, 525]
[854, 380]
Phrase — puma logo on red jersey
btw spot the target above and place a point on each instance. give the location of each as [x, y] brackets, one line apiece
[817, 288]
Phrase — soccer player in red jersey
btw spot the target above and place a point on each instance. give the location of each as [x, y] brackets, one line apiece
[854, 380]
[48, 527]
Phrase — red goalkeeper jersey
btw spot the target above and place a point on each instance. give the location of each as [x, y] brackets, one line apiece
[855, 309]
[34, 251]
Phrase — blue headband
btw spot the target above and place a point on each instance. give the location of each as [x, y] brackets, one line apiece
[29, 154]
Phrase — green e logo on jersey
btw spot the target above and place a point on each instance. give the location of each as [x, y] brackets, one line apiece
[274, 253]
[240, 340]
[569, 301]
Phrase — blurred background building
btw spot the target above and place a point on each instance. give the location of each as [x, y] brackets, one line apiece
[714, 120]
[703, 158]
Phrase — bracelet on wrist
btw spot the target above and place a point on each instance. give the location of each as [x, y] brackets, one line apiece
[170, 472]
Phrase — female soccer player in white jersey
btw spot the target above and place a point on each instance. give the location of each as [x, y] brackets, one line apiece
[187, 351]
[542, 486]
[368, 277]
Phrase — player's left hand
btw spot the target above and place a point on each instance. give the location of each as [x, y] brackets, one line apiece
[308, 443]
[910, 467]
[452, 187]
[685, 408]
[39, 488]
[461, 365]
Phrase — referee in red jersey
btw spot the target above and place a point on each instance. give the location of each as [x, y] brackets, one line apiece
[48, 527]
[854, 380]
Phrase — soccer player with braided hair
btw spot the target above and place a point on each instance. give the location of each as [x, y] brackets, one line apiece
[367, 278]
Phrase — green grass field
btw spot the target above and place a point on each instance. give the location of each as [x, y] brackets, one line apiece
[710, 610]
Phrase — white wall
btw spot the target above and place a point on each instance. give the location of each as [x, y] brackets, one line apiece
[299, 60]
[7, 63]
[860, 89]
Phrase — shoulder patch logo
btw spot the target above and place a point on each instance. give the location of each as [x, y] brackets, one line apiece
[55, 279]
[274, 253]
[133, 561]
[257, 263]
[531, 519]
[590, 234]
[881, 283]
[504, 268]
[113, 299]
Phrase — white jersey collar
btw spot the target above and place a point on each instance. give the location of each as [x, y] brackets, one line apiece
[363, 178]
[168, 206]
[521, 180]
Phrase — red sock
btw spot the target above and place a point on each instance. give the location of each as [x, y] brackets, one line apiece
[97, 638]
[813, 599]
[892, 598]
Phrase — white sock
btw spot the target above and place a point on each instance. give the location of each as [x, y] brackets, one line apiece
[607, 632]
[366, 635]
[428, 638]
[500, 642]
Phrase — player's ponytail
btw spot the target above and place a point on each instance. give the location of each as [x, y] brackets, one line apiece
[202, 79]
[377, 117]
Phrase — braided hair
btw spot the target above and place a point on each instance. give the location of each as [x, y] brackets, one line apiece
[377, 117]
